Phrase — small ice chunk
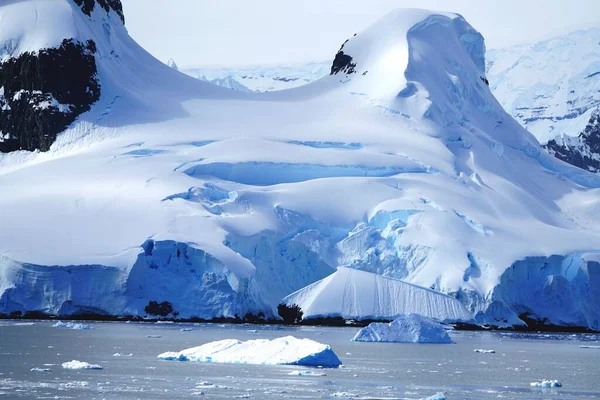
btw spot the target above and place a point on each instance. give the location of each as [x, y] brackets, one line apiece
[36, 369]
[74, 364]
[286, 350]
[72, 325]
[24, 323]
[437, 396]
[186, 329]
[153, 336]
[306, 372]
[546, 383]
[122, 355]
[586, 346]
[484, 351]
[412, 328]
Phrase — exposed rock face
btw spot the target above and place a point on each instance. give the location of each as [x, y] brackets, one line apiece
[582, 151]
[87, 6]
[42, 93]
[342, 63]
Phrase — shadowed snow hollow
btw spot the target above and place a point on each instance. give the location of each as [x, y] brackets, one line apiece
[175, 196]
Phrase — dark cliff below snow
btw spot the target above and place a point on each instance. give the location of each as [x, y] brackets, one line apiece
[42, 93]
[582, 151]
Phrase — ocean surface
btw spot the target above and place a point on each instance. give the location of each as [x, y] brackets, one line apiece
[31, 354]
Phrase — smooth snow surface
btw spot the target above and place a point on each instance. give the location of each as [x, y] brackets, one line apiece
[282, 351]
[223, 202]
[354, 294]
[547, 384]
[410, 328]
[79, 365]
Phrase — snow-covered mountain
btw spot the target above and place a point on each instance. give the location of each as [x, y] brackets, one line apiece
[551, 87]
[174, 196]
[262, 78]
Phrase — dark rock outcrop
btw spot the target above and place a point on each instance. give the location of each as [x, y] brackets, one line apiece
[87, 6]
[343, 63]
[582, 151]
[42, 93]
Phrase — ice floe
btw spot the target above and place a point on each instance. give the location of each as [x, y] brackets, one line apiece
[546, 383]
[75, 364]
[283, 351]
[72, 325]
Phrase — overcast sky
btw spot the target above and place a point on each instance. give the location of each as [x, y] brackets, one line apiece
[243, 32]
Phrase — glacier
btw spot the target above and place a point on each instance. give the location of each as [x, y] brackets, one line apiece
[175, 196]
[286, 350]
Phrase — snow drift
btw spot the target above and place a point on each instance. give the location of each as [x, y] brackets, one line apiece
[411, 328]
[175, 196]
[282, 351]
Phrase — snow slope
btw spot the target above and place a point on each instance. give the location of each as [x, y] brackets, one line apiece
[286, 350]
[214, 202]
[354, 294]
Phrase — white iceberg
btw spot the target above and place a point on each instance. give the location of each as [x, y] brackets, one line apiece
[412, 328]
[72, 325]
[354, 294]
[547, 383]
[74, 364]
[281, 351]
[484, 351]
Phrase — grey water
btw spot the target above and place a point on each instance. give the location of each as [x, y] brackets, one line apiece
[369, 371]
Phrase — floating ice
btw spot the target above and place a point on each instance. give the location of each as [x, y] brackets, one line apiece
[306, 372]
[437, 396]
[584, 346]
[546, 383]
[484, 351]
[283, 351]
[72, 325]
[74, 364]
[153, 336]
[36, 369]
[122, 355]
[412, 328]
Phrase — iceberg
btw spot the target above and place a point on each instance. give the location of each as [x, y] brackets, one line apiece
[547, 383]
[411, 328]
[72, 325]
[75, 364]
[484, 351]
[354, 294]
[286, 350]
